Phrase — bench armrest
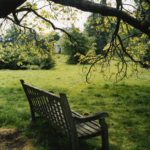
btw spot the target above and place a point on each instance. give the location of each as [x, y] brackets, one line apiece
[100, 115]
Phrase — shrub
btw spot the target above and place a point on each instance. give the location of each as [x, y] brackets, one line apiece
[25, 57]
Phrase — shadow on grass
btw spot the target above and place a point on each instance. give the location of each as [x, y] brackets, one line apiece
[48, 138]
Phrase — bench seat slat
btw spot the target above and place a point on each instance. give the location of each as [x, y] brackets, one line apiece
[84, 130]
[88, 129]
[92, 124]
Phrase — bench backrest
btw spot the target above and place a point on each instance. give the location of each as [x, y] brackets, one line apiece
[51, 107]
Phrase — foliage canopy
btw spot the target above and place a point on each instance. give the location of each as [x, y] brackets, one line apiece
[127, 43]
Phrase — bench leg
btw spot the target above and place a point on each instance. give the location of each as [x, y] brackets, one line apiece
[75, 144]
[105, 142]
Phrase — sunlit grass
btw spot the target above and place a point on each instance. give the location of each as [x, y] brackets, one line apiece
[126, 102]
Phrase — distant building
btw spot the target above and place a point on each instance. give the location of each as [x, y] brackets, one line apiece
[57, 48]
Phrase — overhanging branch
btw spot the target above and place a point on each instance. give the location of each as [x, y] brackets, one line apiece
[104, 10]
[84, 5]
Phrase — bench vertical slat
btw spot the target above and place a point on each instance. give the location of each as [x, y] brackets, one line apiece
[42, 105]
[36, 101]
[30, 102]
[50, 112]
[61, 119]
[32, 98]
[36, 97]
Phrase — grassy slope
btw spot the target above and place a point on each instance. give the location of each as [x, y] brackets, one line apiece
[127, 103]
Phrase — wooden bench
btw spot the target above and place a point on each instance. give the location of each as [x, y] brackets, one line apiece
[57, 111]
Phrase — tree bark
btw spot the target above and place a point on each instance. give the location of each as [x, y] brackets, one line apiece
[8, 6]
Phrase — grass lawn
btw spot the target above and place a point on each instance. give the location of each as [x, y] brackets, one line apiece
[127, 102]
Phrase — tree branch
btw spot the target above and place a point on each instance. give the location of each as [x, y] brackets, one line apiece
[104, 10]
[43, 18]
[84, 5]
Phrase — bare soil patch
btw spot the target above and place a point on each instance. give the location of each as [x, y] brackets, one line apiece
[11, 140]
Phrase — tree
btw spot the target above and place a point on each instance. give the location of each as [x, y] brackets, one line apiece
[81, 46]
[92, 25]
[121, 41]
[11, 35]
